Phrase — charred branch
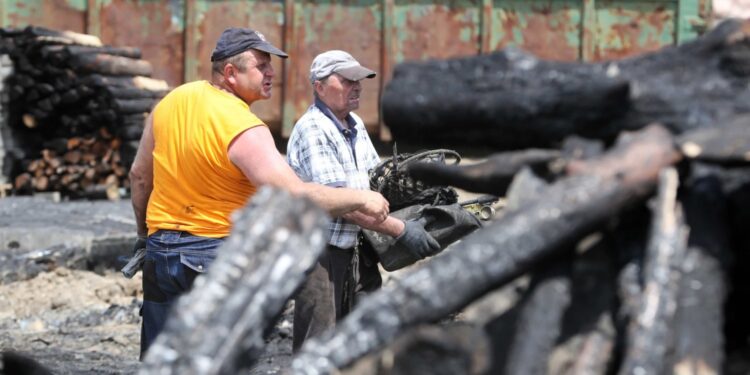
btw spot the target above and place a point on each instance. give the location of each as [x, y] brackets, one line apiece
[651, 334]
[492, 176]
[699, 346]
[727, 144]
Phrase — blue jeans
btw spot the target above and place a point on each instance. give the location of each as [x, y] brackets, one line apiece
[173, 260]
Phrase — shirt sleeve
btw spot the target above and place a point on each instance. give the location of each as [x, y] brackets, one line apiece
[313, 157]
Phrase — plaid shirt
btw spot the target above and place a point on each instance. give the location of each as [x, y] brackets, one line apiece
[321, 150]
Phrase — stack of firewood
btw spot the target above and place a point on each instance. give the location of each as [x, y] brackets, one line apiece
[77, 110]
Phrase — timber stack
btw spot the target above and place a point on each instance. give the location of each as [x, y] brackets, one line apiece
[76, 111]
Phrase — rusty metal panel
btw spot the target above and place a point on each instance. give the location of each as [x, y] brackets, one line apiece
[436, 29]
[318, 26]
[156, 27]
[55, 14]
[549, 29]
[177, 36]
[206, 19]
[626, 27]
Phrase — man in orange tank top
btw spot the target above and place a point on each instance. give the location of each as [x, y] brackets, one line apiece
[203, 153]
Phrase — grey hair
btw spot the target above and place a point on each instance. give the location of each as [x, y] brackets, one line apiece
[239, 61]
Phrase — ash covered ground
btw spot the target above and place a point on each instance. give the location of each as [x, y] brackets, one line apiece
[62, 301]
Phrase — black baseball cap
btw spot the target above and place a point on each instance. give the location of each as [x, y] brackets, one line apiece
[236, 40]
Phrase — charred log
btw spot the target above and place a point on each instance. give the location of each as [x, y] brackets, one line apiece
[651, 334]
[219, 326]
[724, 144]
[492, 176]
[451, 349]
[699, 346]
[512, 100]
[572, 207]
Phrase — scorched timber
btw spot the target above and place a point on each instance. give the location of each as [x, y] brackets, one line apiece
[651, 332]
[487, 259]
[513, 100]
[219, 326]
[699, 346]
[727, 144]
[492, 176]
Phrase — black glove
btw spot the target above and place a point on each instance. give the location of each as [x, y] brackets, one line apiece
[139, 256]
[416, 239]
[140, 243]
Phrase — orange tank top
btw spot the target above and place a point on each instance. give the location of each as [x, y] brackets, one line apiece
[196, 186]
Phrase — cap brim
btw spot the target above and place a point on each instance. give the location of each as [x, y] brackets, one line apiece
[267, 47]
[356, 73]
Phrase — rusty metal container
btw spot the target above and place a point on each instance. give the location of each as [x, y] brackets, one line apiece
[177, 36]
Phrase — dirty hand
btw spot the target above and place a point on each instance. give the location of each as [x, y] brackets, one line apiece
[416, 239]
[376, 206]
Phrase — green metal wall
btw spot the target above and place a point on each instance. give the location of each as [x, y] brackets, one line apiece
[177, 36]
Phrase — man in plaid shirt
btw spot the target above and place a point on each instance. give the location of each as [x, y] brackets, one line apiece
[330, 146]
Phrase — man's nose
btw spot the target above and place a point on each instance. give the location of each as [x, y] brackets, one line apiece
[270, 72]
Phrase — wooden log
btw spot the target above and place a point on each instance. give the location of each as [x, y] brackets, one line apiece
[504, 249]
[133, 92]
[727, 144]
[448, 349]
[492, 176]
[22, 182]
[140, 82]
[699, 347]
[274, 241]
[110, 65]
[49, 36]
[65, 51]
[16, 363]
[540, 320]
[513, 100]
[651, 334]
[128, 106]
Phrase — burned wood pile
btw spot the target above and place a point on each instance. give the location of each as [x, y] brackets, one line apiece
[76, 111]
[633, 240]
[634, 248]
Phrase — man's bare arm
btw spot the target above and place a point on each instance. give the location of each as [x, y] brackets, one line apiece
[142, 176]
[255, 153]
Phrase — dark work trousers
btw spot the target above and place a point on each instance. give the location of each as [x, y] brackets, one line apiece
[331, 290]
[173, 260]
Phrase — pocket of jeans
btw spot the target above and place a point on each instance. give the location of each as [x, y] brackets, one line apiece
[198, 262]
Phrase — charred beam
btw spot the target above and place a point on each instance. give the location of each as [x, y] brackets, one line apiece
[699, 347]
[724, 144]
[651, 334]
[513, 100]
[492, 176]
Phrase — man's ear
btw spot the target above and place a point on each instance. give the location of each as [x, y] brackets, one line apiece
[318, 87]
[229, 73]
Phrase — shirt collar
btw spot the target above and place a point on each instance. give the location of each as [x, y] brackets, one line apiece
[352, 129]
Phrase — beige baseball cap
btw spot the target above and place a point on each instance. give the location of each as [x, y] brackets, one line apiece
[340, 62]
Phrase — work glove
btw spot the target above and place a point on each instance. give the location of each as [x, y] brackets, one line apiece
[139, 255]
[415, 239]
